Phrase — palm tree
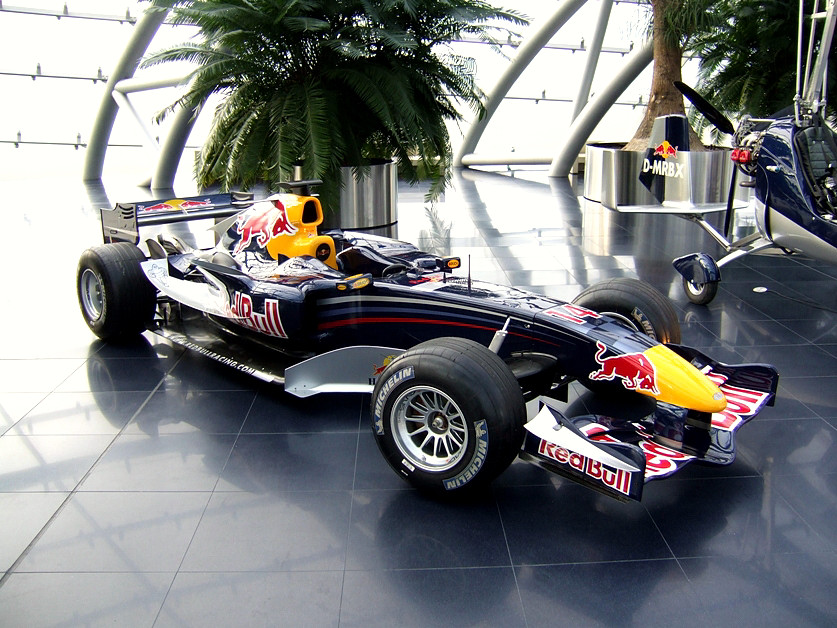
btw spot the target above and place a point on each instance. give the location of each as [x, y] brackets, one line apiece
[748, 59]
[673, 22]
[329, 83]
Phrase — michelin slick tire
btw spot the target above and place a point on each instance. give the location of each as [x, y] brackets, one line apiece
[115, 297]
[637, 304]
[448, 415]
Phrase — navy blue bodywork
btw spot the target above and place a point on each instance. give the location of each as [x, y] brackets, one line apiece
[789, 177]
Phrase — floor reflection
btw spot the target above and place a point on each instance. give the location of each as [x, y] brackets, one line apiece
[149, 486]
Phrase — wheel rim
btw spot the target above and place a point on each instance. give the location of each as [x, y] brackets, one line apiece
[429, 429]
[92, 294]
[695, 288]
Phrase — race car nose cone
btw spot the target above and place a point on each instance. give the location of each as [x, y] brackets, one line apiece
[681, 384]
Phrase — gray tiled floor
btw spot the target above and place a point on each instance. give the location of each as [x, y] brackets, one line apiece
[143, 486]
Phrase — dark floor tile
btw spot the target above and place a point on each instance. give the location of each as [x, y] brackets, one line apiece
[811, 495]
[290, 462]
[81, 413]
[818, 393]
[631, 593]
[14, 406]
[118, 532]
[790, 446]
[793, 360]
[786, 406]
[24, 515]
[278, 412]
[431, 597]
[109, 375]
[775, 590]
[253, 598]
[726, 517]
[765, 333]
[567, 523]
[371, 470]
[82, 599]
[408, 530]
[822, 331]
[205, 374]
[168, 462]
[275, 531]
[176, 409]
[48, 462]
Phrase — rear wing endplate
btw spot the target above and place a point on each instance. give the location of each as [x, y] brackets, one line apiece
[122, 223]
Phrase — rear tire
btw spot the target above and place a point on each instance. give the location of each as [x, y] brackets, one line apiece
[637, 304]
[448, 415]
[116, 299]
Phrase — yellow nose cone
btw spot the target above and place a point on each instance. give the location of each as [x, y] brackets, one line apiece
[681, 384]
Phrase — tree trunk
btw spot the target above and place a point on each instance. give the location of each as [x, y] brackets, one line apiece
[665, 98]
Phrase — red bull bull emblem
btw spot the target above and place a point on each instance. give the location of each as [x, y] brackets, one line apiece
[159, 207]
[174, 205]
[377, 370]
[262, 224]
[665, 150]
[655, 165]
[636, 371]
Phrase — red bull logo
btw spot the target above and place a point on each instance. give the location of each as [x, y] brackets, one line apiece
[174, 205]
[665, 150]
[241, 309]
[377, 370]
[617, 479]
[159, 207]
[636, 371]
[665, 167]
[262, 225]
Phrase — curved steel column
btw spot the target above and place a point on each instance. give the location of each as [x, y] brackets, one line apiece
[172, 148]
[592, 114]
[593, 53]
[144, 32]
[525, 53]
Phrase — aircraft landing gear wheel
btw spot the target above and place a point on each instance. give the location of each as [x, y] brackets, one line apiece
[116, 299]
[448, 415]
[700, 293]
[637, 304]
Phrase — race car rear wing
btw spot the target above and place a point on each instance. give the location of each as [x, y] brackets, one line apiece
[122, 223]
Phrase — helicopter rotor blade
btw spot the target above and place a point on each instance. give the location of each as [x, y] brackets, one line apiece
[719, 120]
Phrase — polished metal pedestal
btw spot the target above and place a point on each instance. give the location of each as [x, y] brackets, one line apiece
[686, 178]
[369, 201]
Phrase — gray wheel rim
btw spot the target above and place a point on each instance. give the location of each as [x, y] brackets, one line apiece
[92, 294]
[429, 429]
[695, 289]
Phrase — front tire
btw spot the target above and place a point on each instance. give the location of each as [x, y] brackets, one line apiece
[116, 299]
[448, 415]
[700, 293]
[637, 304]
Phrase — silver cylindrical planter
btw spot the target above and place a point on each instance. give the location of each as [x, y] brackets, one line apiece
[369, 201]
[613, 177]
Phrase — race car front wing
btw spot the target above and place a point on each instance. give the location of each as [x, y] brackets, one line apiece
[617, 457]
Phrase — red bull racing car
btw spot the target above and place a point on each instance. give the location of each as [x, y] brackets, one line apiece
[451, 363]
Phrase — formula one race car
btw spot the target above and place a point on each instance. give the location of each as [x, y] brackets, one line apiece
[451, 362]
